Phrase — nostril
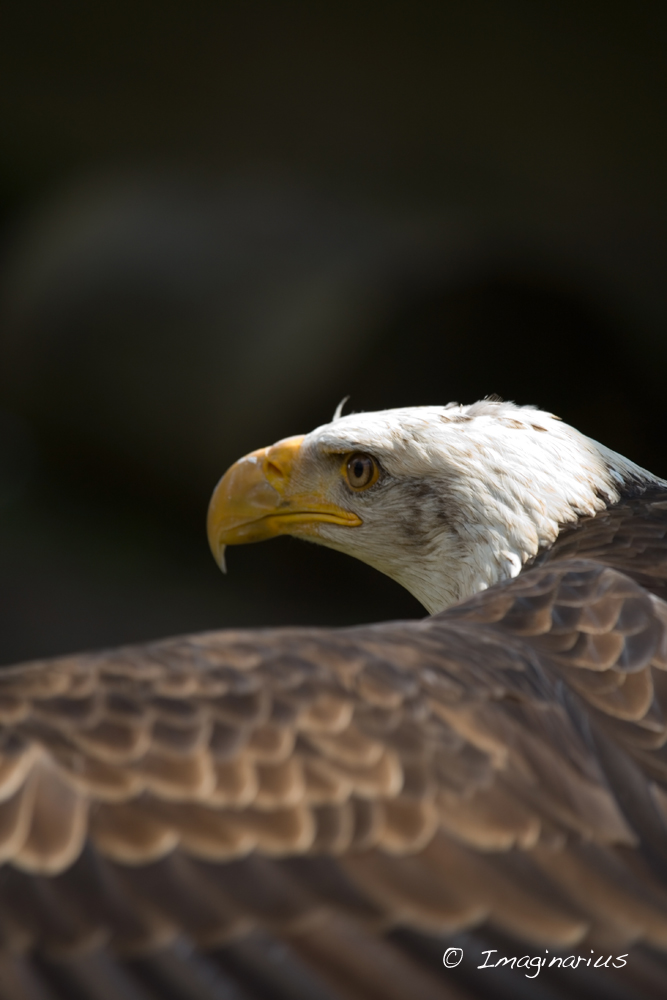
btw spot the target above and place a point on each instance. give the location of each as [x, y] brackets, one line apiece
[278, 462]
[271, 469]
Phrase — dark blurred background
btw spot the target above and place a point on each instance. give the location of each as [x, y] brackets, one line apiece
[217, 220]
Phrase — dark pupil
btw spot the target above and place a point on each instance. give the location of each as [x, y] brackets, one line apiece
[359, 468]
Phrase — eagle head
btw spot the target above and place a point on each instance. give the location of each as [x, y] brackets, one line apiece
[446, 500]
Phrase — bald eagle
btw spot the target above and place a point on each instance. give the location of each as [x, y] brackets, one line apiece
[320, 813]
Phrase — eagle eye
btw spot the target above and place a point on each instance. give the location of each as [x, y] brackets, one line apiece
[361, 471]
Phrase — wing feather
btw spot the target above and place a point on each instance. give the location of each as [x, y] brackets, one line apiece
[504, 762]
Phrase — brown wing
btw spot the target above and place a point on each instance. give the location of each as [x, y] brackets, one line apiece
[500, 766]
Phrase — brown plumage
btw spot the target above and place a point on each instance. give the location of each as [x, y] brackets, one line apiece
[500, 766]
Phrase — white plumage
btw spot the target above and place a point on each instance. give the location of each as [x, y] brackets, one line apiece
[469, 494]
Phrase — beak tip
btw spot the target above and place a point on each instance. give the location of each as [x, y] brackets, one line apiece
[221, 558]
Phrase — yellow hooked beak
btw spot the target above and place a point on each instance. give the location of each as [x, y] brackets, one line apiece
[258, 498]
